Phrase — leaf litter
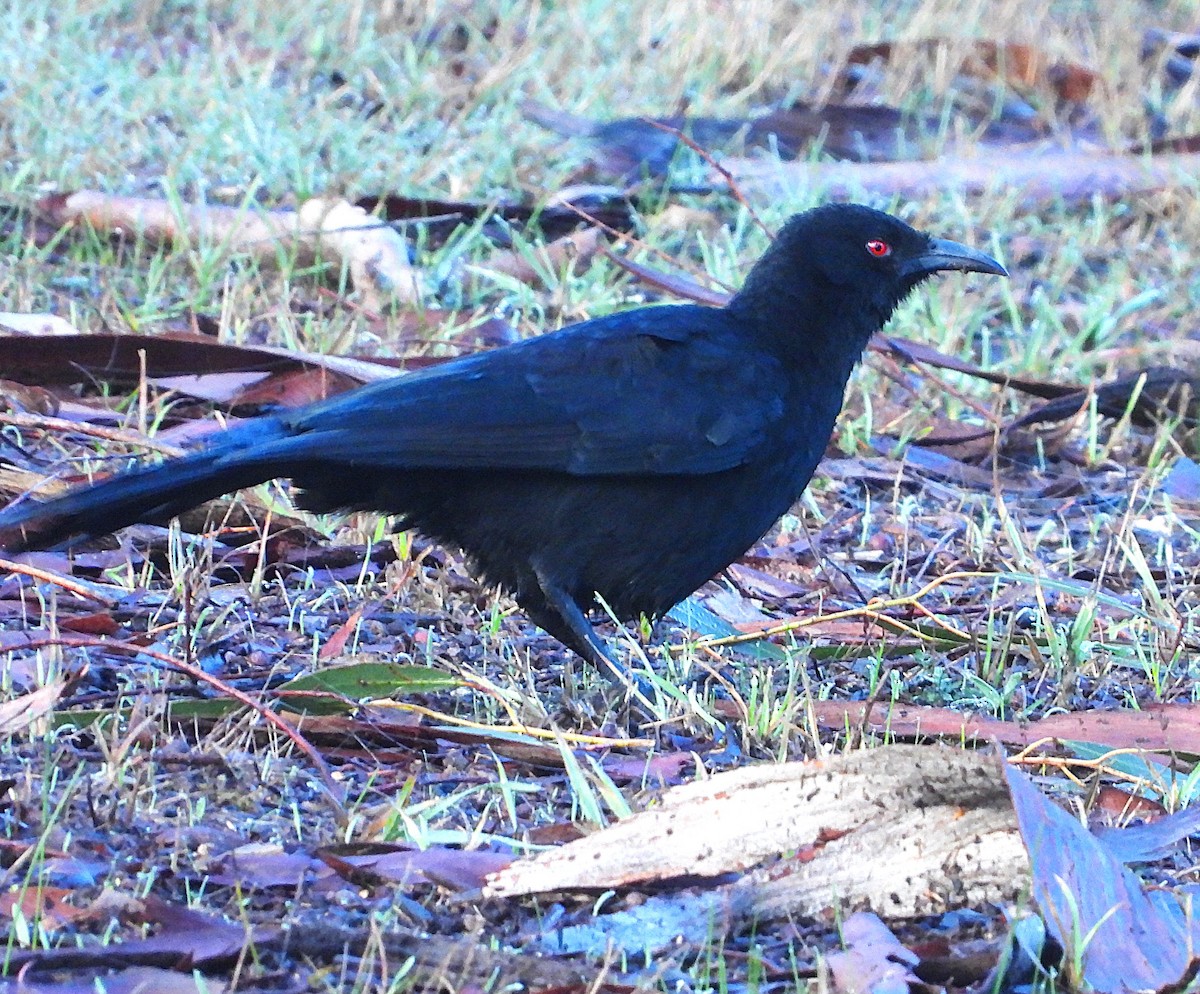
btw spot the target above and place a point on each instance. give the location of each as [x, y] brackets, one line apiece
[391, 673]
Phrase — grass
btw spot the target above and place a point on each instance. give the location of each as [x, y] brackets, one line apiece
[265, 103]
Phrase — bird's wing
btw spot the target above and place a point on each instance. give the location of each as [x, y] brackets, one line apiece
[663, 390]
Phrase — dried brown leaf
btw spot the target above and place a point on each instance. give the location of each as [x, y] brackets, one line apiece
[1016, 64]
[18, 713]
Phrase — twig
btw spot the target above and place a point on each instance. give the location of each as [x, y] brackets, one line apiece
[47, 423]
[87, 591]
[726, 175]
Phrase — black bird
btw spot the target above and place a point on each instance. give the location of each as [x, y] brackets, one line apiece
[632, 456]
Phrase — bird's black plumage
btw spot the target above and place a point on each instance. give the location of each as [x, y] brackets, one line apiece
[634, 455]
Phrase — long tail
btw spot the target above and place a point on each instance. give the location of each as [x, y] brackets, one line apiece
[147, 493]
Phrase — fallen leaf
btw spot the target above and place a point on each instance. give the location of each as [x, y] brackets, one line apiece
[1017, 64]
[1151, 840]
[18, 713]
[874, 960]
[335, 645]
[333, 689]
[36, 324]
[1124, 935]
[405, 865]
[121, 359]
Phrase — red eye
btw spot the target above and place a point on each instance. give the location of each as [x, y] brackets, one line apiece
[878, 248]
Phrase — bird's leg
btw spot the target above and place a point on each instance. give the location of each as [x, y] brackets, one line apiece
[563, 618]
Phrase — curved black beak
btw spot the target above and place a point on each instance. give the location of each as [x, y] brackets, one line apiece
[941, 254]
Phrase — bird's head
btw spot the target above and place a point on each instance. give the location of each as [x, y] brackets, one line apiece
[847, 266]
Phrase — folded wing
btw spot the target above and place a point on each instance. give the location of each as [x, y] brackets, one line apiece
[665, 392]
